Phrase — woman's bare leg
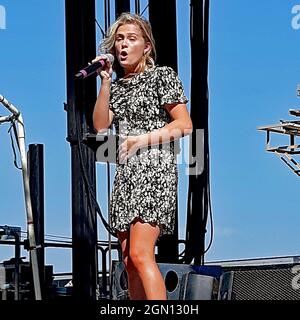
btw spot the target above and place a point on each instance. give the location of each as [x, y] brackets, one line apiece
[135, 286]
[142, 240]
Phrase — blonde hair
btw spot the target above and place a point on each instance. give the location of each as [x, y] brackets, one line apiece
[108, 43]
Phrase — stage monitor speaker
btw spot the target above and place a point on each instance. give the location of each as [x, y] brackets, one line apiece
[198, 287]
[119, 285]
[181, 280]
[172, 274]
[277, 282]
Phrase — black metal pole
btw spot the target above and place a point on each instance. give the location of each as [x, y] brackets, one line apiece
[17, 266]
[137, 7]
[103, 288]
[107, 14]
[36, 183]
[121, 6]
[165, 35]
[81, 95]
[198, 193]
[164, 31]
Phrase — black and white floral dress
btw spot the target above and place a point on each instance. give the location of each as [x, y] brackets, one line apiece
[146, 185]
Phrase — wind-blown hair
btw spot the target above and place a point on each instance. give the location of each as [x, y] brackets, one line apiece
[108, 43]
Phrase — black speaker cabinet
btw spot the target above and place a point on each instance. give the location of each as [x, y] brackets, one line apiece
[182, 283]
[198, 287]
[173, 275]
[119, 286]
[277, 282]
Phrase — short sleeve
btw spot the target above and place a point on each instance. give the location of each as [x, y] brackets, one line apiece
[170, 88]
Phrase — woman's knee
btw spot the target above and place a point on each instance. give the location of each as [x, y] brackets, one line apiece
[139, 257]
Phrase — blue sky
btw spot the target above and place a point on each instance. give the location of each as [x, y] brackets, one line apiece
[254, 67]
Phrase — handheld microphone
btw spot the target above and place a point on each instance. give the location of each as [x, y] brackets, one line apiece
[92, 68]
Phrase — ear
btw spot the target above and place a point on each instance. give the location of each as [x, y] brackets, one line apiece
[147, 47]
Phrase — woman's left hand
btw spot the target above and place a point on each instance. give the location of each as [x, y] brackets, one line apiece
[128, 147]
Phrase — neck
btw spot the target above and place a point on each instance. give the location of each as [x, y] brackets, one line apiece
[129, 75]
[134, 69]
[130, 71]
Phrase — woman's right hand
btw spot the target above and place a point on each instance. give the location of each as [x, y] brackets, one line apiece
[106, 71]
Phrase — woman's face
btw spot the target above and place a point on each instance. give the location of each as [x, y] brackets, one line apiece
[130, 46]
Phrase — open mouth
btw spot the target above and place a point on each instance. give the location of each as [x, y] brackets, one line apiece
[123, 55]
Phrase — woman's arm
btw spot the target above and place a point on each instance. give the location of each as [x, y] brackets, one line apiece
[102, 116]
[181, 125]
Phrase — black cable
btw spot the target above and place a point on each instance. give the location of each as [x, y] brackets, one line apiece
[210, 211]
[206, 36]
[52, 236]
[188, 259]
[13, 126]
[102, 31]
[104, 242]
[147, 6]
[99, 242]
